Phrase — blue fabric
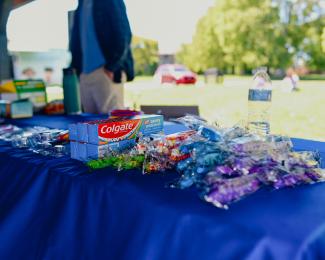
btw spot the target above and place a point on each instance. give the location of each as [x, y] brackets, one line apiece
[58, 209]
[92, 57]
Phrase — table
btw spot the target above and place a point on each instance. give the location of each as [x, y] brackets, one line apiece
[56, 209]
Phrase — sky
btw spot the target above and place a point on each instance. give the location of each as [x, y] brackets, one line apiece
[171, 22]
[42, 24]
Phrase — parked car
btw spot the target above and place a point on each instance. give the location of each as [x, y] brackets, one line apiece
[175, 73]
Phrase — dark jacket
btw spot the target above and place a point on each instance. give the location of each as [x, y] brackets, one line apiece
[113, 34]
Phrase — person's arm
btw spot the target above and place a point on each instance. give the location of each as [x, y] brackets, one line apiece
[113, 32]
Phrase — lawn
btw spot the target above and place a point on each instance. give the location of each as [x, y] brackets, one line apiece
[296, 114]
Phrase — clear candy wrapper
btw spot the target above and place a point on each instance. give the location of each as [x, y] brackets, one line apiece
[41, 140]
[222, 192]
[191, 122]
[299, 168]
[163, 152]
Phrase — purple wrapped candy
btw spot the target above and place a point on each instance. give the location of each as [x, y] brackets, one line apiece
[226, 191]
[298, 176]
[225, 170]
[237, 166]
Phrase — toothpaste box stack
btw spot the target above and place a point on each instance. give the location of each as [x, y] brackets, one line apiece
[93, 140]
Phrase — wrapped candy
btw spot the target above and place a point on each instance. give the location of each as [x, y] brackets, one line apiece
[222, 192]
[299, 168]
[239, 163]
[119, 162]
[163, 152]
[229, 134]
[210, 133]
[174, 140]
[191, 122]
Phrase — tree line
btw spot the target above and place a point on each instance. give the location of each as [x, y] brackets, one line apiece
[237, 36]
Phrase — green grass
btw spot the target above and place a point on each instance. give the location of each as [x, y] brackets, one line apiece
[296, 114]
[314, 77]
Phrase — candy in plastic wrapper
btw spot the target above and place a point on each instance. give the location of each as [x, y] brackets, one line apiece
[223, 192]
[9, 132]
[298, 168]
[235, 167]
[310, 158]
[229, 134]
[191, 122]
[174, 140]
[209, 133]
[185, 182]
[6, 129]
[185, 164]
[19, 141]
[207, 162]
[190, 145]
[119, 162]
[283, 179]
[177, 156]
[163, 152]
[280, 143]
[60, 150]
[152, 165]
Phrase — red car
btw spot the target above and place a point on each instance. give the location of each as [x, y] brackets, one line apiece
[174, 73]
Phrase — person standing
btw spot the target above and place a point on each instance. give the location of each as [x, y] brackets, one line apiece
[101, 53]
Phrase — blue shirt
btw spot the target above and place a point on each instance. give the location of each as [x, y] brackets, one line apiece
[92, 56]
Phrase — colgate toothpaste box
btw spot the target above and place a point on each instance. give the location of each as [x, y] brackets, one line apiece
[95, 152]
[86, 152]
[74, 150]
[73, 136]
[92, 140]
[82, 130]
[119, 129]
[78, 151]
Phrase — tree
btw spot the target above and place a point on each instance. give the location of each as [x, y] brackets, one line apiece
[323, 40]
[240, 35]
[305, 25]
[145, 53]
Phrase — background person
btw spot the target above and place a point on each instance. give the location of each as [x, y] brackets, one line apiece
[28, 73]
[101, 53]
[291, 80]
[48, 75]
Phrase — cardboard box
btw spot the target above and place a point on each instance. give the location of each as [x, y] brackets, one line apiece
[116, 130]
[22, 108]
[73, 136]
[34, 90]
[94, 139]
[111, 130]
[86, 152]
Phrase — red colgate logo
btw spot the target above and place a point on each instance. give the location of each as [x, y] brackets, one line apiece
[119, 130]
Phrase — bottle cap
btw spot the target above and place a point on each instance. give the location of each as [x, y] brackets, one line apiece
[69, 71]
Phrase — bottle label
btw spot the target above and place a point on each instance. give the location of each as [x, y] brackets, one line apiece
[260, 95]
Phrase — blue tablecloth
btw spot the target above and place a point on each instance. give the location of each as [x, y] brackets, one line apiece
[58, 209]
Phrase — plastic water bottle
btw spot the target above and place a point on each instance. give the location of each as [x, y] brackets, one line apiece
[259, 103]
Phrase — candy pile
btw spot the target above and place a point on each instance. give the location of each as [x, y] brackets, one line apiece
[224, 164]
[41, 140]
